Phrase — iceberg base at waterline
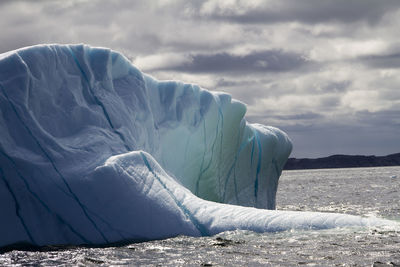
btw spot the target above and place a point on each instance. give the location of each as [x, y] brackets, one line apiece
[93, 151]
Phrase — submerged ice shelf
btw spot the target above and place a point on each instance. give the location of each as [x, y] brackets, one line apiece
[92, 151]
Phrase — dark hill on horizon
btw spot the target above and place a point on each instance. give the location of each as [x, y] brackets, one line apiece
[343, 161]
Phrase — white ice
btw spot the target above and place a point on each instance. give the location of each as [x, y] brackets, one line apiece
[92, 151]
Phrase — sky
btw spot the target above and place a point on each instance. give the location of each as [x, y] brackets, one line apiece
[327, 72]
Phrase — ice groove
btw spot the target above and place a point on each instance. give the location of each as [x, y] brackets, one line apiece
[258, 163]
[17, 208]
[200, 227]
[232, 168]
[201, 172]
[59, 218]
[97, 100]
[52, 163]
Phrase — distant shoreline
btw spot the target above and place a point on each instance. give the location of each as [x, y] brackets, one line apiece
[343, 161]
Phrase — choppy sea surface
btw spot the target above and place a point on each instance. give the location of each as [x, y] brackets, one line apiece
[358, 191]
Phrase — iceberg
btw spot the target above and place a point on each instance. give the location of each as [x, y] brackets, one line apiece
[93, 151]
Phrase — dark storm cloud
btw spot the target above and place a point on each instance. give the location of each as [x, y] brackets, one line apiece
[298, 121]
[301, 122]
[383, 118]
[112, 24]
[300, 116]
[311, 11]
[222, 82]
[337, 87]
[383, 61]
[5, 2]
[264, 61]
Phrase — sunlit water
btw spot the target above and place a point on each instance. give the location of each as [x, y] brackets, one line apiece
[362, 191]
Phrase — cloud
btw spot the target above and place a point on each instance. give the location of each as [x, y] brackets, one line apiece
[388, 61]
[161, 61]
[311, 11]
[365, 133]
[299, 116]
[324, 71]
[262, 61]
[348, 48]
[389, 118]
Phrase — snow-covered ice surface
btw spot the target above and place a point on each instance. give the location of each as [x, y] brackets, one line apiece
[92, 151]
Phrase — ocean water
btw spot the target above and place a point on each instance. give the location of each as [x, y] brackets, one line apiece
[358, 191]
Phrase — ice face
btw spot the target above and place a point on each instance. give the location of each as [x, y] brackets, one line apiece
[92, 151]
[217, 155]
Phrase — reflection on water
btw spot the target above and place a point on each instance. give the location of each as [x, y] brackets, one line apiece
[358, 191]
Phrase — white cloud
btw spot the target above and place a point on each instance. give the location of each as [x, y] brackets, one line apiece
[160, 61]
[345, 49]
[231, 7]
[359, 100]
